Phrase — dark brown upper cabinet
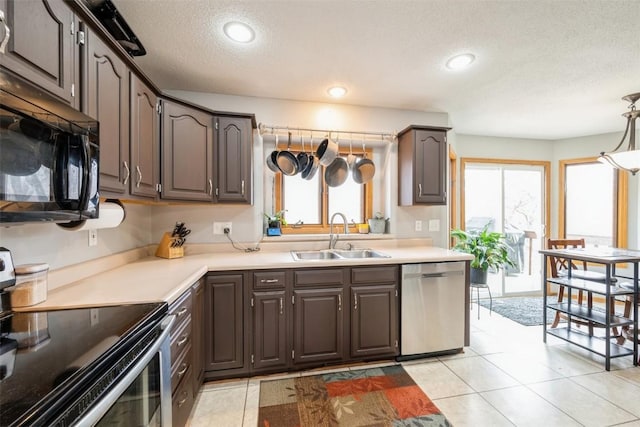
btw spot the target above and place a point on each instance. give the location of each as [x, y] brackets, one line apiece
[144, 140]
[422, 166]
[42, 45]
[106, 98]
[187, 153]
[233, 158]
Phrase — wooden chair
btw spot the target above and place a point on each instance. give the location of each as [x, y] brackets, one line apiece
[560, 266]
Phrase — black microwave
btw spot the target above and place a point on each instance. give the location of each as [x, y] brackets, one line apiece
[49, 157]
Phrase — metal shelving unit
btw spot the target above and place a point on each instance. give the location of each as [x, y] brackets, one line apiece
[614, 286]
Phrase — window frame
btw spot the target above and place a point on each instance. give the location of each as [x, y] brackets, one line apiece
[620, 203]
[323, 227]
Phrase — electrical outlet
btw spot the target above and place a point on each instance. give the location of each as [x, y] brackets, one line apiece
[418, 225]
[434, 225]
[218, 227]
[95, 318]
[93, 237]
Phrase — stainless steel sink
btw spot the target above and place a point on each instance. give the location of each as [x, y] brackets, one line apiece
[360, 253]
[328, 254]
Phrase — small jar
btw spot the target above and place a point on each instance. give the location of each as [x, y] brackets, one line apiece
[31, 285]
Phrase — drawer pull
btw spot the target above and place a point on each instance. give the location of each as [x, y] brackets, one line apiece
[181, 401]
[127, 174]
[355, 302]
[281, 305]
[339, 302]
[269, 281]
[183, 340]
[183, 370]
[182, 311]
[420, 190]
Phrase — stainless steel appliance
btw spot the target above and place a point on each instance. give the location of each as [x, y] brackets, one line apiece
[48, 157]
[432, 308]
[90, 366]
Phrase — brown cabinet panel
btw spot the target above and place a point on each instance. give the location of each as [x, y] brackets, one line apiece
[187, 153]
[269, 279]
[374, 274]
[224, 327]
[106, 95]
[182, 402]
[42, 45]
[144, 140]
[374, 326]
[321, 276]
[197, 334]
[269, 330]
[318, 325]
[422, 166]
[234, 154]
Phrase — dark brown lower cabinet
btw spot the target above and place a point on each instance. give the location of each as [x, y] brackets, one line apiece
[197, 333]
[374, 325]
[318, 333]
[225, 323]
[270, 342]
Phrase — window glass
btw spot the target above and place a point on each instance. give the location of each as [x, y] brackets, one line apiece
[301, 199]
[347, 199]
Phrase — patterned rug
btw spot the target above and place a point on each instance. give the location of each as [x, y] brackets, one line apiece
[385, 396]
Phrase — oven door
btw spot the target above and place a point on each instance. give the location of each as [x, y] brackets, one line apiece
[143, 396]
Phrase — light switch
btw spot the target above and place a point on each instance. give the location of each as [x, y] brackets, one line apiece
[418, 225]
[434, 225]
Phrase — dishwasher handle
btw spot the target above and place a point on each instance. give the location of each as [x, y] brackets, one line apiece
[434, 275]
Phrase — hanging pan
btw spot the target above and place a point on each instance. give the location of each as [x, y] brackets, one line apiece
[286, 161]
[302, 157]
[271, 158]
[337, 172]
[312, 165]
[364, 169]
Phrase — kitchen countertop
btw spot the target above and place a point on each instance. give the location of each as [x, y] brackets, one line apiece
[153, 279]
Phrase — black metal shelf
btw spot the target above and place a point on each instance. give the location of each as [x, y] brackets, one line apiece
[595, 316]
[596, 345]
[620, 289]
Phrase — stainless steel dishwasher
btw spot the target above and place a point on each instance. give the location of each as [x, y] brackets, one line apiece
[432, 308]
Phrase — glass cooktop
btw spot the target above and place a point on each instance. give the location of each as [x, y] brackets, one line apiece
[44, 354]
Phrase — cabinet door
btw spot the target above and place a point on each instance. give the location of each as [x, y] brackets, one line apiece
[269, 330]
[197, 335]
[187, 153]
[107, 99]
[144, 140]
[318, 325]
[234, 142]
[430, 167]
[224, 327]
[374, 328]
[42, 45]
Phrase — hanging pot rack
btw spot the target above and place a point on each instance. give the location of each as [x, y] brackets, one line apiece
[343, 135]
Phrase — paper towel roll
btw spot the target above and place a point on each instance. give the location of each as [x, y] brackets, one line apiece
[111, 214]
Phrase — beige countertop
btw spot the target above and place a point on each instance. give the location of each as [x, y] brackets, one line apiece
[153, 279]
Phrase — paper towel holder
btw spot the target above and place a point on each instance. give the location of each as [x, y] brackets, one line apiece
[94, 224]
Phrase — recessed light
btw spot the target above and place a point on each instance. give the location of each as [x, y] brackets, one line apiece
[337, 91]
[239, 32]
[460, 62]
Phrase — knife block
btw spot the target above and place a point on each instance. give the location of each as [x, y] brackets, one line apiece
[165, 250]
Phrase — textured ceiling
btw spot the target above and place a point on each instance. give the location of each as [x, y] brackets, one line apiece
[545, 69]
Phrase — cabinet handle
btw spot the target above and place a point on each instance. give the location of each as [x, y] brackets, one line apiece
[182, 311]
[139, 176]
[6, 33]
[269, 281]
[128, 172]
[355, 302]
[339, 302]
[183, 340]
[181, 401]
[210, 187]
[281, 306]
[242, 187]
[419, 189]
[183, 370]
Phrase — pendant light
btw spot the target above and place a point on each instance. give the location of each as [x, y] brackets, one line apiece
[629, 159]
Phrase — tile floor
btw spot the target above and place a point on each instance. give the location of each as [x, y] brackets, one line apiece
[507, 377]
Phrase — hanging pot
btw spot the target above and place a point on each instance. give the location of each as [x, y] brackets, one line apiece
[286, 161]
[337, 172]
[302, 157]
[364, 169]
[312, 165]
[271, 158]
[327, 151]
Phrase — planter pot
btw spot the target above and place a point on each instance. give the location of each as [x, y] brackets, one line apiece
[377, 226]
[479, 276]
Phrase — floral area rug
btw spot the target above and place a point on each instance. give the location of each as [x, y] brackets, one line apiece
[385, 396]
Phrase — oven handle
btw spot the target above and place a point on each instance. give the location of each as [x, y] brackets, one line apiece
[161, 345]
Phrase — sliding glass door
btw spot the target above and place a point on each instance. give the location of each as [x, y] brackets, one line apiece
[509, 198]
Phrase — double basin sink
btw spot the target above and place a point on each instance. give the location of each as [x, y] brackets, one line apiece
[328, 254]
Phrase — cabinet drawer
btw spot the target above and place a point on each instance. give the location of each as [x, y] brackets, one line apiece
[325, 276]
[182, 306]
[180, 339]
[182, 401]
[269, 279]
[384, 274]
[181, 367]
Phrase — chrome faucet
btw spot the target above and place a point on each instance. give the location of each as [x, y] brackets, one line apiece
[332, 242]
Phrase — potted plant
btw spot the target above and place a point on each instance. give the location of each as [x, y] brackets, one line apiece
[489, 250]
[275, 222]
[378, 223]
